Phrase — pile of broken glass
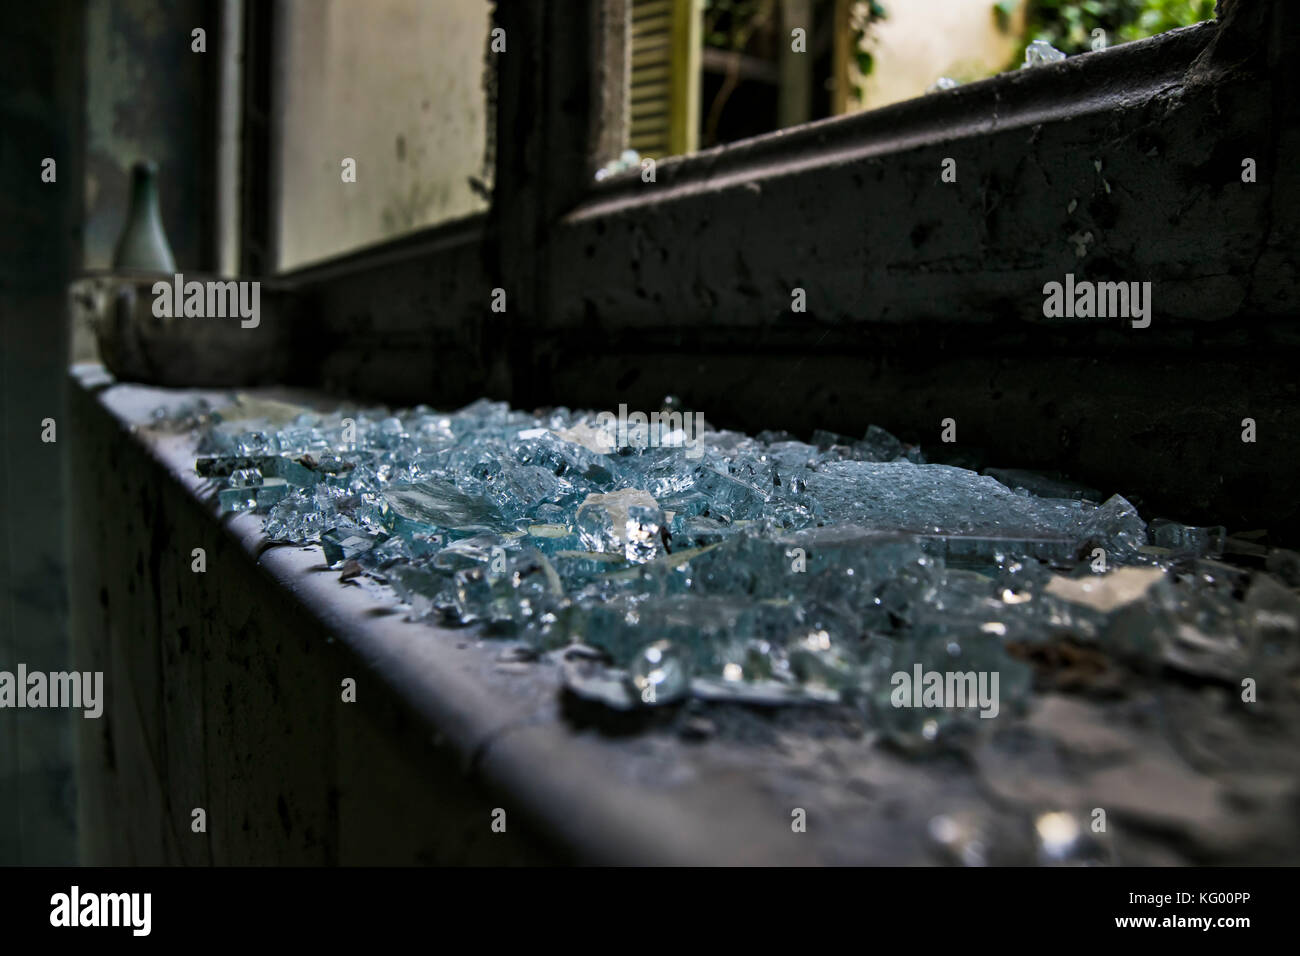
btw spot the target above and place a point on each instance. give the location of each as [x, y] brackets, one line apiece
[707, 563]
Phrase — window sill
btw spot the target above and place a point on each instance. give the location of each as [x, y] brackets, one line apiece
[246, 719]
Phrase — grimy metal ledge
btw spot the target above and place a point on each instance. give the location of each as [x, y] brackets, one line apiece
[228, 700]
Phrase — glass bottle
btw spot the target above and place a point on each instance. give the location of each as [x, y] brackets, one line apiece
[142, 246]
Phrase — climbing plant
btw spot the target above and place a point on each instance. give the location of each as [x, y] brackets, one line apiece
[1069, 24]
[864, 15]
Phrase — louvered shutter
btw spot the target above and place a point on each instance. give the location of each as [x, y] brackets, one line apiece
[665, 52]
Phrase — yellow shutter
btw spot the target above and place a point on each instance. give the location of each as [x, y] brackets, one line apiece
[665, 95]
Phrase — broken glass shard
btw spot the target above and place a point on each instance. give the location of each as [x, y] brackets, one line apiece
[941, 84]
[1039, 53]
[761, 569]
[627, 522]
[659, 674]
[1185, 539]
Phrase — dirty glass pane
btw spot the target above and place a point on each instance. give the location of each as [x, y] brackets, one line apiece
[380, 121]
[708, 72]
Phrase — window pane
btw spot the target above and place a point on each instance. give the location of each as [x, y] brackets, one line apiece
[708, 72]
[397, 87]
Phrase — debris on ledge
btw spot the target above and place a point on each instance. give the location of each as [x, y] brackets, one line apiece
[765, 570]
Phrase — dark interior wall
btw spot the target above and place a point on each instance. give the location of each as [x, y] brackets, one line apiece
[152, 97]
[94, 85]
[40, 250]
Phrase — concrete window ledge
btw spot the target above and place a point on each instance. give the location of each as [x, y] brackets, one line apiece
[223, 692]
